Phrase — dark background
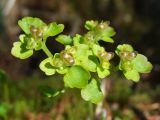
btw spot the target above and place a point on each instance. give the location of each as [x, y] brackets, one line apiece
[136, 22]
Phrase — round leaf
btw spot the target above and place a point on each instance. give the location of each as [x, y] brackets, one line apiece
[64, 39]
[46, 66]
[20, 51]
[53, 29]
[27, 22]
[141, 64]
[76, 77]
[92, 93]
[132, 75]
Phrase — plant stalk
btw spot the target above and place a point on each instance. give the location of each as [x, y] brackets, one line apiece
[91, 113]
[46, 50]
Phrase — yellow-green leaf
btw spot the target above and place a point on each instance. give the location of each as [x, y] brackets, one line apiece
[92, 93]
[27, 22]
[132, 75]
[76, 77]
[141, 64]
[64, 39]
[18, 50]
[53, 29]
[47, 67]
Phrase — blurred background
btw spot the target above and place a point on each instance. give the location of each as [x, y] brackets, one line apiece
[136, 22]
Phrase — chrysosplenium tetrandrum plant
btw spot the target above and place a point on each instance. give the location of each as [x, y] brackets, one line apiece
[82, 55]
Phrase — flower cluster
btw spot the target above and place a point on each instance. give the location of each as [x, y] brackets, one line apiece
[82, 55]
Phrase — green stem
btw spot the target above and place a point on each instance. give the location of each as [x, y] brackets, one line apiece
[46, 50]
[91, 113]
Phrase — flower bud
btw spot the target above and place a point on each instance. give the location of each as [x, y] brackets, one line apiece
[102, 25]
[67, 57]
[128, 55]
[36, 32]
[107, 55]
[33, 29]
